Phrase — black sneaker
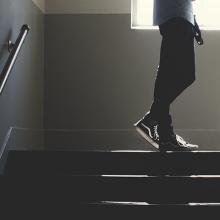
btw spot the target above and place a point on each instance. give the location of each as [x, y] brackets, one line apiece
[147, 128]
[176, 143]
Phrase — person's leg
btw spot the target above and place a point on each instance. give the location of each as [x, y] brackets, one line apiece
[175, 73]
[176, 70]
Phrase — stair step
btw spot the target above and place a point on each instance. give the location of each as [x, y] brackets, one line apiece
[157, 190]
[109, 210]
[138, 211]
[118, 162]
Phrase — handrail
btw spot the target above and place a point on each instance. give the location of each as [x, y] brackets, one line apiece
[14, 51]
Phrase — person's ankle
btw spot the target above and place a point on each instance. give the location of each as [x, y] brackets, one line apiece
[166, 132]
[151, 116]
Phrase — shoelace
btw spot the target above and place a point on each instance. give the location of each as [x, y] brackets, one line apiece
[181, 141]
[156, 132]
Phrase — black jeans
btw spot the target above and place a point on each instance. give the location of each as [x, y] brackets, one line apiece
[176, 69]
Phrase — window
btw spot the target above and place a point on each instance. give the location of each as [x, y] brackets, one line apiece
[207, 13]
[142, 14]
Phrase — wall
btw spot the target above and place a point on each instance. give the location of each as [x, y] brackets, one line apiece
[21, 103]
[87, 6]
[100, 74]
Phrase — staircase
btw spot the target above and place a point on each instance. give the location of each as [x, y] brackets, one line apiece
[116, 185]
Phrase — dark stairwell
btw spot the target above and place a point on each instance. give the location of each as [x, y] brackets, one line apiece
[90, 174]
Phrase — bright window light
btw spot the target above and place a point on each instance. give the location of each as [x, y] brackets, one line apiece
[142, 14]
[207, 13]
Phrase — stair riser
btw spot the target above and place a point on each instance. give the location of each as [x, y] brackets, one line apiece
[66, 210]
[148, 212]
[152, 190]
[114, 163]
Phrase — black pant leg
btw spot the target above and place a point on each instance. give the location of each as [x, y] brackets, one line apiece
[176, 69]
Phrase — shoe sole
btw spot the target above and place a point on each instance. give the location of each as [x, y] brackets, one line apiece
[167, 149]
[145, 136]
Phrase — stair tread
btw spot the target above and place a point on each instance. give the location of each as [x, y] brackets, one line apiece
[99, 188]
[117, 162]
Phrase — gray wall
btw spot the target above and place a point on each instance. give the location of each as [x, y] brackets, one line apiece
[88, 6]
[100, 74]
[21, 103]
